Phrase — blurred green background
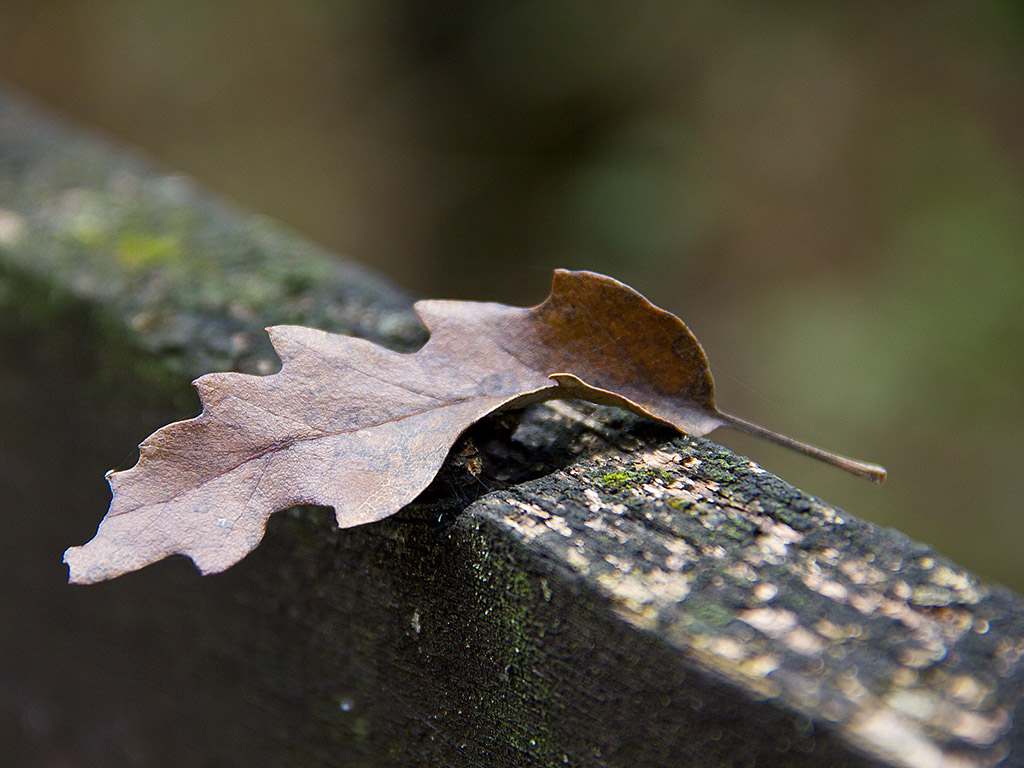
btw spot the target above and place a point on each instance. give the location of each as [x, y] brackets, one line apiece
[831, 195]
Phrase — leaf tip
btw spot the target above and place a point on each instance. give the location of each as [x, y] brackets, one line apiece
[101, 559]
[78, 571]
[289, 340]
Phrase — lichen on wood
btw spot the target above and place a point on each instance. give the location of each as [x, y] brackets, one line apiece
[864, 631]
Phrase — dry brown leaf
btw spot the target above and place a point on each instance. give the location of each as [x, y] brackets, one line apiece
[349, 424]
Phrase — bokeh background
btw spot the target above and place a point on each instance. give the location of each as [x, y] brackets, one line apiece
[831, 195]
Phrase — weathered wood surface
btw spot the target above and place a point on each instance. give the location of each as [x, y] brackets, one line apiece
[578, 589]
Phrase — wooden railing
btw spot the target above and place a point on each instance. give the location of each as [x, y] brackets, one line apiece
[593, 590]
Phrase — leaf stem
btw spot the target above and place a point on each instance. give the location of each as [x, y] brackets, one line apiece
[872, 472]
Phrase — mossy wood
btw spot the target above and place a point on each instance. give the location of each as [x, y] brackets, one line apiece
[620, 596]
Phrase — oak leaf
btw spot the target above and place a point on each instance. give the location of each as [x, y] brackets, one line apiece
[349, 424]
